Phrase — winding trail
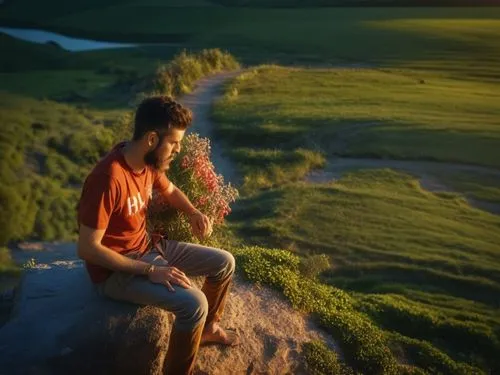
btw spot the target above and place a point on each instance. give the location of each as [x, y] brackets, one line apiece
[427, 172]
[200, 101]
[209, 89]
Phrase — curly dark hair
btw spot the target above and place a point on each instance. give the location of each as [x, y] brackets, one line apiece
[160, 113]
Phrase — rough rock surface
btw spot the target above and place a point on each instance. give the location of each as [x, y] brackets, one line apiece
[61, 325]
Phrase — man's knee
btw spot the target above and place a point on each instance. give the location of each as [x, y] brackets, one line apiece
[229, 263]
[193, 311]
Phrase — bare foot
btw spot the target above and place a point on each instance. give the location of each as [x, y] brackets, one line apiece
[220, 336]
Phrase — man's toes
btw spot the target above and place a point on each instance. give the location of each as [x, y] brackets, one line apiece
[233, 338]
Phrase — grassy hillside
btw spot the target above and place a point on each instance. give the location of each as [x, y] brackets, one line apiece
[19, 56]
[382, 113]
[421, 267]
[59, 120]
[47, 150]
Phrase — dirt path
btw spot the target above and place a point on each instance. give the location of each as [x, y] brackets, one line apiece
[209, 89]
[427, 171]
[201, 101]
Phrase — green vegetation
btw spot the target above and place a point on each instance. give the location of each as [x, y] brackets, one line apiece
[7, 266]
[321, 360]
[178, 76]
[363, 112]
[9, 278]
[367, 348]
[430, 38]
[21, 56]
[423, 256]
[475, 185]
[421, 264]
[406, 280]
[57, 10]
[421, 268]
[269, 167]
[48, 147]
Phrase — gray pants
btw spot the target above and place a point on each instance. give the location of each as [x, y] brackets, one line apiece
[191, 307]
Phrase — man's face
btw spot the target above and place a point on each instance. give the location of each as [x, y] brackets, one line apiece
[161, 157]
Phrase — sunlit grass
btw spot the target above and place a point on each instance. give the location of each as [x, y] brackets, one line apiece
[364, 112]
[425, 265]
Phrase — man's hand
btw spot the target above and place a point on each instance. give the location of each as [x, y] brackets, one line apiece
[201, 225]
[168, 276]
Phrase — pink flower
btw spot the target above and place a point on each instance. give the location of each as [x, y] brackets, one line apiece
[185, 162]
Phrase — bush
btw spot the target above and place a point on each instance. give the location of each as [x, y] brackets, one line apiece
[322, 361]
[9, 276]
[7, 265]
[18, 215]
[193, 172]
[313, 265]
[180, 74]
[84, 147]
[56, 210]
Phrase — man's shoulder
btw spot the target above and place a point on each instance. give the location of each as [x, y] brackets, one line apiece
[110, 167]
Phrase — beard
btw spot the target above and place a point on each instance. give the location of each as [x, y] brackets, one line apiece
[153, 160]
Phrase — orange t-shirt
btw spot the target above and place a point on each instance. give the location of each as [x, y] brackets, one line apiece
[115, 198]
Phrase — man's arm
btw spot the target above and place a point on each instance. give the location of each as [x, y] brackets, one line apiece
[177, 199]
[201, 224]
[91, 249]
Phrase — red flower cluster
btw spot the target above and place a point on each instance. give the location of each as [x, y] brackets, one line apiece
[195, 175]
[212, 195]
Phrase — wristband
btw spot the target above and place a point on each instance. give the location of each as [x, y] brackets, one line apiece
[149, 269]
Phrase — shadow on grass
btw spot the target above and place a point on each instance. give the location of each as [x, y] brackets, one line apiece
[369, 279]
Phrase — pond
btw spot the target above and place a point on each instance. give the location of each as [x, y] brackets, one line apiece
[68, 43]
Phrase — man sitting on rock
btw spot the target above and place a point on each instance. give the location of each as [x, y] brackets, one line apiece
[121, 259]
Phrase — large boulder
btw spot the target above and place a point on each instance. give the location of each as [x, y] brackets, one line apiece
[61, 325]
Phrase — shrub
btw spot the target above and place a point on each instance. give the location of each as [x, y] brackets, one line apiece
[193, 172]
[180, 74]
[55, 215]
[7, 265]
[9, 275]
[313, 265]
[18, 215]
[322, 361]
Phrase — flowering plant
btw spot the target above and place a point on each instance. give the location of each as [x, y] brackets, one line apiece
[194, 174]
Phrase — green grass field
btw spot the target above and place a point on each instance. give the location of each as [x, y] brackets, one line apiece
[422, 266]
[359, 113]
